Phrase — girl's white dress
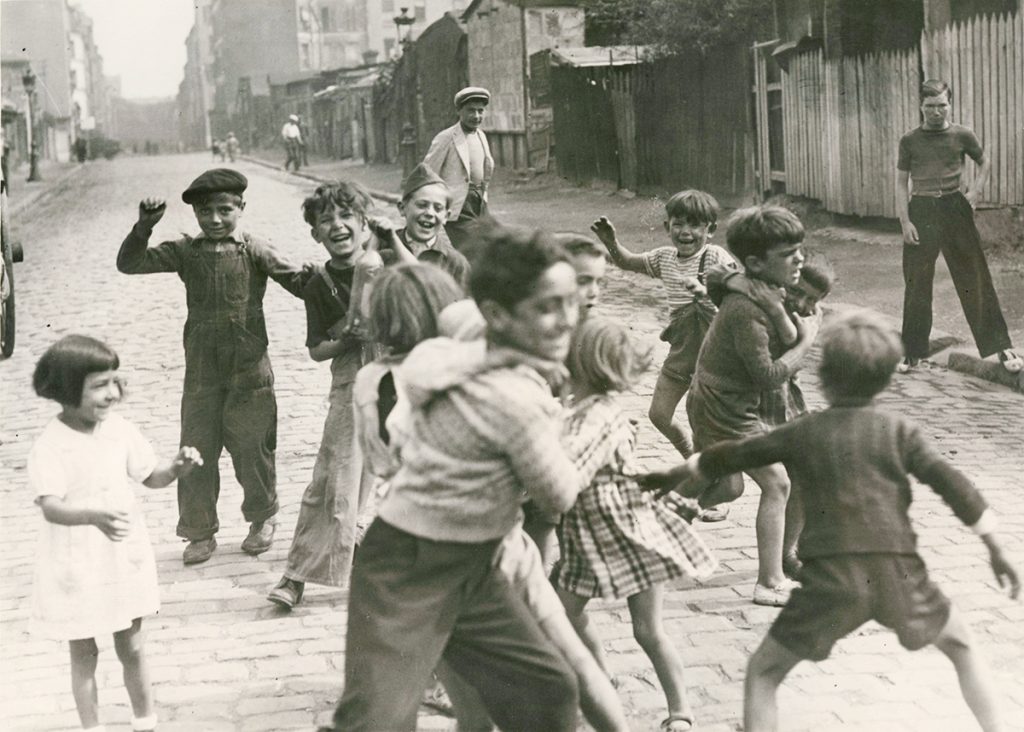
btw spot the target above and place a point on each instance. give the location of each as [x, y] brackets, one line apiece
[85, 584]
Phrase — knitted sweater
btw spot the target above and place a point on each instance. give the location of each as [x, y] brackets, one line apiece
[483, 436]
[851, 467]
[737, 354]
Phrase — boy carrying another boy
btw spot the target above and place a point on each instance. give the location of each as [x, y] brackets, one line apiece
[691, 219]
[228, 399]
[851, 464]
[738, 361]
[425, 586]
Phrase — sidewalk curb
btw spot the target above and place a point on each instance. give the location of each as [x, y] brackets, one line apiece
[23, 203]
[942, 352]
[379, 195]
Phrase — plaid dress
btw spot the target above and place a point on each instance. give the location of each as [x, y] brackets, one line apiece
[617, 541]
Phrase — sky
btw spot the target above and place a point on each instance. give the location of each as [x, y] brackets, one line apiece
[143, 42]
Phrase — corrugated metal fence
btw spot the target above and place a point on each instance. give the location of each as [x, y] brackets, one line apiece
[844, 117]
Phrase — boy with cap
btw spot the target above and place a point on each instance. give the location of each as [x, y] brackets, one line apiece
[461, 156]
[228, 399]
[291, 134]
[425, 204]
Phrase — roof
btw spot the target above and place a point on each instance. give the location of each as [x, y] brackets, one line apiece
[522, 4]
[365, 80]
[599, 55]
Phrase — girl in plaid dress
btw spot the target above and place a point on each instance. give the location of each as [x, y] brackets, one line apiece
[616, 540]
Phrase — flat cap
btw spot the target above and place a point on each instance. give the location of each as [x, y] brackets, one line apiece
[217, 180]
[470, 93]
[421, 175]
[293, 118]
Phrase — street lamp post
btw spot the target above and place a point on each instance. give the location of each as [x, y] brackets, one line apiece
[28, 80]
[404, 20]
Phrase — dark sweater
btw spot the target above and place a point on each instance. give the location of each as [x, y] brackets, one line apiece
[737, 355]
[851, 465]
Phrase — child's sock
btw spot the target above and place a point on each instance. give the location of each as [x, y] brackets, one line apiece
[144, 724]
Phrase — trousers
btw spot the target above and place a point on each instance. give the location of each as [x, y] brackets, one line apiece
[946, 225]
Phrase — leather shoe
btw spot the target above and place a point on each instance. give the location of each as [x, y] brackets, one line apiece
[260, 538]
[287, 593]
[199, 551]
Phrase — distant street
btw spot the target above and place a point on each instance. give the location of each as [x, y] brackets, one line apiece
[223, 658]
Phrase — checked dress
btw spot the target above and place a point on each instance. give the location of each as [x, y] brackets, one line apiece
[617, 540]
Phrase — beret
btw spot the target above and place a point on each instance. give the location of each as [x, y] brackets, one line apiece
[421, 175]
[217, 180]
[471, 92]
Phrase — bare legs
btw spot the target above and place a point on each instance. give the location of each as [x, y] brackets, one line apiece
[771, 663]
[664, 402]
[129, 645]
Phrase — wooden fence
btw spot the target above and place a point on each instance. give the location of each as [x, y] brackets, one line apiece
[843, 118]
[673, 123]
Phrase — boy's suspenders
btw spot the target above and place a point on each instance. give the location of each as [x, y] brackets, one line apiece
[702, 265]
[332, 288]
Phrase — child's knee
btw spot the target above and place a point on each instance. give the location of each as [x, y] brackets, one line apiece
[128, 644]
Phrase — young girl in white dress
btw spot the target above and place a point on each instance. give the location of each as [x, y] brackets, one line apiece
[617, 541]
[95, 572]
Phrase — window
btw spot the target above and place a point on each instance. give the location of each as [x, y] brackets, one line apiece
[388, 6]
[304, 62]
[421, 12]
[325, 19]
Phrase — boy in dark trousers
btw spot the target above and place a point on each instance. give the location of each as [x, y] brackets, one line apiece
[851, 464]
[939, 218]
[228, 399]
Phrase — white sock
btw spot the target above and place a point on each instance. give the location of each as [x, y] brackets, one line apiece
[144, 723]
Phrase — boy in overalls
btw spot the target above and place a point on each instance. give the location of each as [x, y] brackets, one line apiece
[228, 399]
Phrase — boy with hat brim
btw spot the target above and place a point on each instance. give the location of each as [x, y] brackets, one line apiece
[425, 203]
[228, 399]
[462, 158]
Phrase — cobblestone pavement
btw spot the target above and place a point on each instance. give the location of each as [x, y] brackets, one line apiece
[224, 659]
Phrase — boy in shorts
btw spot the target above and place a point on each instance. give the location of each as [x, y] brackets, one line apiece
[691, 217]
[851, 463]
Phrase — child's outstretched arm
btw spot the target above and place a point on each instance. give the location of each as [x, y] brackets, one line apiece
[1006, 573]
[187, 460]
[136, 256]
[291, 277]
[605, 231]
[115, 524]
[769, 299]
[386, 235]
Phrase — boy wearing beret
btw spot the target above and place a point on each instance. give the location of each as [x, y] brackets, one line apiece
[228, 399]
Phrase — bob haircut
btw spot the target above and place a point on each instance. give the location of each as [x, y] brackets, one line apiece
[755, 230]
[604, 356]
[510, 261]
[60, 373]
[859, 353]
[405, 304]
[346, 195]
[693, 206]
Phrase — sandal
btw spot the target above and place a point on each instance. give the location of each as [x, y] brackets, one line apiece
[1011, 361]
[677, 723]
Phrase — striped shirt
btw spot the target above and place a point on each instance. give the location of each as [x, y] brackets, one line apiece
[665, 264]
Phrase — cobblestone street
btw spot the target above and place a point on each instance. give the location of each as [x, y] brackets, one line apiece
[223, 658]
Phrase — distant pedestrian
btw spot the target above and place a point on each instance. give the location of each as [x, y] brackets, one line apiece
[940, 218]
[291, 136]
[228, 400]
[81, 149]
[461, 156]
[215, 148]
[231, 146]
[95, 571]
[303, 138]
[616, 541]
[852, 462]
